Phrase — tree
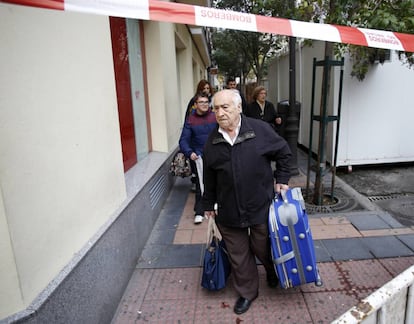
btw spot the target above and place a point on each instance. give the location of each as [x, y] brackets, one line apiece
[236, 51]
[391, 15]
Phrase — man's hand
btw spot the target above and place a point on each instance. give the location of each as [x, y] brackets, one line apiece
[209, 213]
[281, 186]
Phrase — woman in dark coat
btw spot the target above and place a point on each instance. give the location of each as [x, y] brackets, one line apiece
[262, 109]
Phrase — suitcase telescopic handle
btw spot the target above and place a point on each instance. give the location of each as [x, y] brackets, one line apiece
[284, 196]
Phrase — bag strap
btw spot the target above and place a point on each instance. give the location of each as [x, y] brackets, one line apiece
[199, 166]
[212, 231]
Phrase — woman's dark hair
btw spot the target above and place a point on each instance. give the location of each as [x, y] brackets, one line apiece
[202, 84]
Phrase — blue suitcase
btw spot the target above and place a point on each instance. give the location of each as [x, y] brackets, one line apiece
[291, 240]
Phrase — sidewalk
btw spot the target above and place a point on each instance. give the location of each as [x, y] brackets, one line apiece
[357, 253]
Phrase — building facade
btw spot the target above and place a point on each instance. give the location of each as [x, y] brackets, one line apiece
[91, 109]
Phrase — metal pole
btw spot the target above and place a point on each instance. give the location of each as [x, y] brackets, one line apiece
[311, 128]
[292, 122]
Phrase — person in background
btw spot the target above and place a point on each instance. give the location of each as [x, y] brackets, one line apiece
[197, 127]
[262, 109]
[239, 178]
[203, 86]
[232, 84]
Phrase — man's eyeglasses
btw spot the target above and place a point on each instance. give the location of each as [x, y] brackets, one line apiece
[202, 102]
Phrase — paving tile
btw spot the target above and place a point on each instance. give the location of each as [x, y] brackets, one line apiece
[219, 310]
[167, 221]
[189, 204]
[130, 305]
[217, 306]
[183, 236]
[331, 279]
[187, 217]
[186, 221]
[407, 240]
[334, 231]
[334, 220]
[171, 256]
[283, 308]
[166, 311]
[315, 222]
[161, 236]
[367, 222]
[324, 307]
[388, 231]
[174, 284]
[386, 246]
[390, 220]
[397, 265]
[199, 236]
[347, 249]
[183, 255]
[364, 276]
[165, 286]
[150, 256]
[322, 254]
[173, 208]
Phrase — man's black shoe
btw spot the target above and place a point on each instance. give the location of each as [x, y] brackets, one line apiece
[242, 305]
[272, 280]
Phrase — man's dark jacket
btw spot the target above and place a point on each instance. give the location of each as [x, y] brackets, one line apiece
[239, 177]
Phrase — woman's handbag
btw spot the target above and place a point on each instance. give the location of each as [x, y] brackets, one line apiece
[216, 267]
[180, 166]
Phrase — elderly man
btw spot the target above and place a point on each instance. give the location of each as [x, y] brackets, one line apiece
[238, 177]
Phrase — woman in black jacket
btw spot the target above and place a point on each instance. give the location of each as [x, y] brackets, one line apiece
[262, 109]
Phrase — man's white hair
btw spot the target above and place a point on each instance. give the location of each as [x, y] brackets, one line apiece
[236, 98]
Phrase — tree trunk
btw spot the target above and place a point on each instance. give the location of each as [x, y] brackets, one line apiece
[323, 125]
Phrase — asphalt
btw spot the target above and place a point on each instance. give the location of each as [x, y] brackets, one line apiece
[389, 186]
[361, 242]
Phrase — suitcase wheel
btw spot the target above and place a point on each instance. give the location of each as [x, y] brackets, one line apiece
[318, 282]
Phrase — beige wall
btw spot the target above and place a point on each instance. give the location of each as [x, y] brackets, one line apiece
[157, 83]
[61, 172]
[10, 295]
[184, 62]
[170, 79]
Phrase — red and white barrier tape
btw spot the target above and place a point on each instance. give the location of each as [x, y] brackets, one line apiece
[211, 17]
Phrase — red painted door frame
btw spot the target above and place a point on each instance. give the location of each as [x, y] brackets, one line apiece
[123, 90]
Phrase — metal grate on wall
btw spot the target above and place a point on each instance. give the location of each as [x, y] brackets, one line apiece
[158, 188]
